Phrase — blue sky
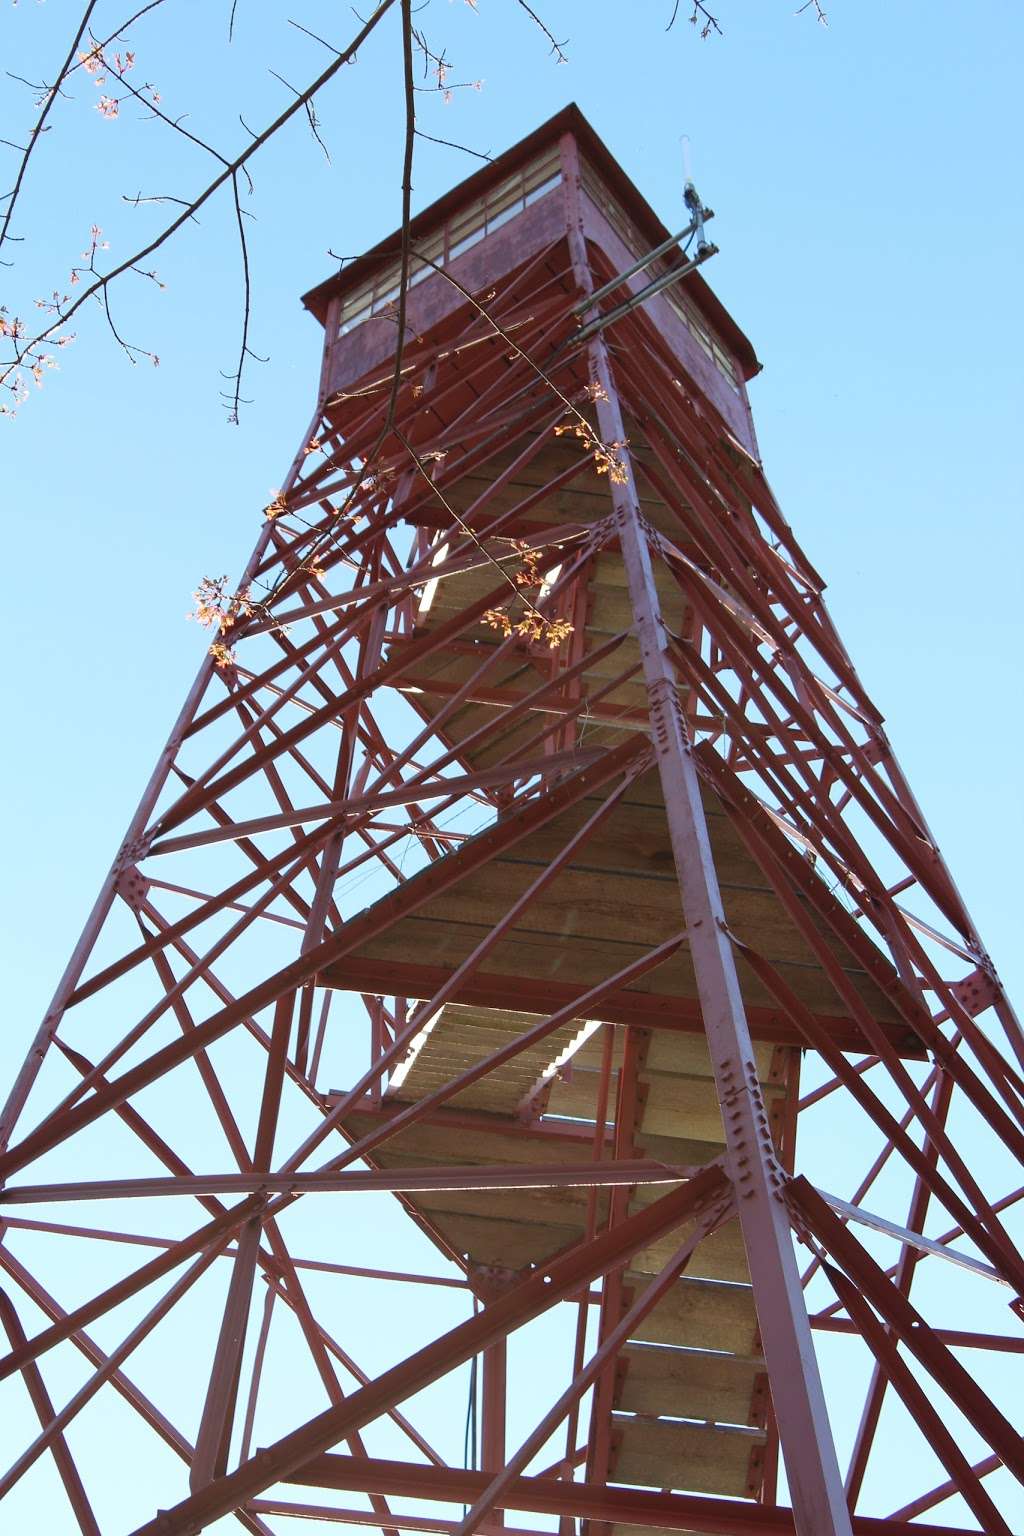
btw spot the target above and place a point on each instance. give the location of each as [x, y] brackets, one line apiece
[870, 228]
[870, 221]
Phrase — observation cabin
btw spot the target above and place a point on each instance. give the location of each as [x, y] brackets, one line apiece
[493, 226]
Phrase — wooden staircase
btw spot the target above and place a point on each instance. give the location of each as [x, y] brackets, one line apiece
[687, 1407]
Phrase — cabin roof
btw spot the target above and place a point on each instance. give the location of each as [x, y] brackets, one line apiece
[569, 120]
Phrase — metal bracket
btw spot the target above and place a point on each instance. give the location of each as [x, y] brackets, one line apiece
[488, 1282]
[132, 887]
[976, 992]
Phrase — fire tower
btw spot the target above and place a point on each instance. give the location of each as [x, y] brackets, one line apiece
[528, 988]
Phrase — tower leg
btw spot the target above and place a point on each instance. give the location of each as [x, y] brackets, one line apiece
[815, 1484]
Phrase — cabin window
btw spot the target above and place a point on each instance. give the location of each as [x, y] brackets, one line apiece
[465, 229]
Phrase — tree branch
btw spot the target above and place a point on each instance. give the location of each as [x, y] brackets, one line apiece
[230, 170]
[41, 120]
[403, 280]
[136, 16]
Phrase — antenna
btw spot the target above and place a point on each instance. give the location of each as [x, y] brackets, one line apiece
[684, 141]
[691, 198]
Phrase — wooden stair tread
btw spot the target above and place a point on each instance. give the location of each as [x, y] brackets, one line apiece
[690, 1384]
[699, 1314]
[685, 1457]
[721, 1256]
[461, 1037]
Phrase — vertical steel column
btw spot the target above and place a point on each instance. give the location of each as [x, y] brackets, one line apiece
[816, 1486]
[492, 1428]
[634, 1051]
[904, 1278]
[214, 1437]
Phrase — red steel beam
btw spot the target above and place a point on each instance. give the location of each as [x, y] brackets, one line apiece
[72, 1322]
[883, 1117]
[214, 1434]
[955, 1338]
[421, 789]
[209, 787]
[580, 1006]
[394, 1180]
[121, 1383]
[652, 1010]
[332, 1514]
[944, 1491]
[53, 1427]
[587, 1501]
[905, 1270]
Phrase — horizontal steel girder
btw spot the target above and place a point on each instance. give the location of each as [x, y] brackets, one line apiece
[588, 1501]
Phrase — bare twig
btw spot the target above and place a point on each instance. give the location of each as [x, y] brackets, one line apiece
[437, 61]
[441, 66]
[314, 35]
[314, 123]
[131, 352]
[557, 48]
[707, 26]
[822, 17]
[138, 200]
[450, 144]
[236, 397]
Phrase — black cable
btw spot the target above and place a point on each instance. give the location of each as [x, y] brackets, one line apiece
[469, 1438]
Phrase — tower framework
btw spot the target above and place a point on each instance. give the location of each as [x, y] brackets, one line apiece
[528, 974]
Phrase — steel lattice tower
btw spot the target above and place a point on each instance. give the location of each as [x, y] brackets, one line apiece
[528, 868]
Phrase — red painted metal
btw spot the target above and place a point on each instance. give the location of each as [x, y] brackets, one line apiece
[514, 1176]
[531, 1296]
[583, 1379]
[902, 1378]
[69, 1473]
[594, 1501]
[375, 753]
